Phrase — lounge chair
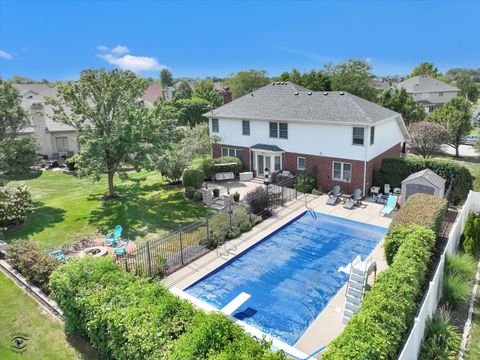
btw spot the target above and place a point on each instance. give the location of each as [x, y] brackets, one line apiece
[122, 249]
[354, 200]
[112, 238]
[390, 206]
[58, 254]
[334, 195]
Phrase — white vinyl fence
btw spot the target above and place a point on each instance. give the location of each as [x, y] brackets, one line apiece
[411, 348]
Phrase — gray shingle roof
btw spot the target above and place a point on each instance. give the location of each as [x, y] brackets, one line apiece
[266, 147]
[423, 83]
[428, 175]
[288, 101]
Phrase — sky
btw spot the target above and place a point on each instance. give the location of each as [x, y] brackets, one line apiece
[57, 39]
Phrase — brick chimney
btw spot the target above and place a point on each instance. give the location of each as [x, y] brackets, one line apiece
[227, 95]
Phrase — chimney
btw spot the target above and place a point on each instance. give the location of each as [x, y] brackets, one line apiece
[227, 95]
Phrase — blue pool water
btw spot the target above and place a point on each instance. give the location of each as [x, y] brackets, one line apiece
[291, 275]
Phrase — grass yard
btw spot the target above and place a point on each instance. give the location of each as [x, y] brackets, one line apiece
[473, 350]
[475, 171]
[46, 339]
[68, 208]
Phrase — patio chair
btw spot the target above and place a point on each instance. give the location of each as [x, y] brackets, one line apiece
[334, 195]
[122, 249]
[354, 200]
[113, 237]
[58, 254]
[390, 206]
[223, 176]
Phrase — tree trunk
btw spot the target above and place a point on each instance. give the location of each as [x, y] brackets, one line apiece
[457, 154]
[110, 183]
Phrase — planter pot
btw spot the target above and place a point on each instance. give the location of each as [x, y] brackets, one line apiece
[216, 192]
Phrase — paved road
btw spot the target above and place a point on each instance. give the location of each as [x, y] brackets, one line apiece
[464, 150]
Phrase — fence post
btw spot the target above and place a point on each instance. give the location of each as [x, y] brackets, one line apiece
[181, 246]
[149, 259]
[208, 230]
[230, 214]
[268, 200]
[295, 186]
[126, 264]
[283, 203]
[250, 212]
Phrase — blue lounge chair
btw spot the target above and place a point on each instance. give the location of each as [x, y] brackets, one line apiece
[112, 238]
[58, 254]
[122, 249]
[390, 206]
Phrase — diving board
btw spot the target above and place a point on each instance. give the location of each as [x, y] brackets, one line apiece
[235, 303]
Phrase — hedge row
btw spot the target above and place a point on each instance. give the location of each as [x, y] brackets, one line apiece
[207, 165]
[128, 317]
[394, 170]
[377, 330]
[420, 209]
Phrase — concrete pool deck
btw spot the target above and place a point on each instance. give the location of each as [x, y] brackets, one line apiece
[328, 325]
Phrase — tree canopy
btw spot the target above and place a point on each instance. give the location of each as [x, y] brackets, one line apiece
[183, 91]
[190, 110]
[244, 82]
[429, 69]
[12, 116]
[205, 90]
[456, 117]
[114, 129]
[166, 78]
[426, 138]
[399, 101]
[467, 88]
[312, 80]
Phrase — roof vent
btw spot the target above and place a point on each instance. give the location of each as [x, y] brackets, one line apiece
[251, 94]
[342, 93]
[325, 93]
[309, 93]
[296, 93]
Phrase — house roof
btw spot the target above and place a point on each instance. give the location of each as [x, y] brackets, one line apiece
[266, 147]
[153, 92]
[290, 102]
[424, 83]
[428, 175]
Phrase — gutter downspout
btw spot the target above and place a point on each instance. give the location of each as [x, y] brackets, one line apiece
[365, 162]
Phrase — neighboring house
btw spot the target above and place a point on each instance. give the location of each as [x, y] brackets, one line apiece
[429, 92]
[338, 137]
[218, 86]
[54, 139]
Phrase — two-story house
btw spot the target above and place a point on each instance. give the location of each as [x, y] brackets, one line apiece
[429, 92]
[337, 136]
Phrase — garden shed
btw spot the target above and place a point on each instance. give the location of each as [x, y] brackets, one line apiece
[425, 181]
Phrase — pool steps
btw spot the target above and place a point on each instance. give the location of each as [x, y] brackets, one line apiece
[357, 282]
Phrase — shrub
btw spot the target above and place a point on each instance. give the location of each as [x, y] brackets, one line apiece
[376, 331]
[15, 205]
[31, 262]
[238, 167]
[189, 191]
[18, 156]
[207, 166]
[456, 291]
[197, 195]
[461, 264]
[236, 196]
[442, 340]
[471, 235]
[394, 170]
[193, 178]
[112, 308]
[71, 162]
[305, 183]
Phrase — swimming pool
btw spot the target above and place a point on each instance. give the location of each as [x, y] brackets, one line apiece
[291, 274]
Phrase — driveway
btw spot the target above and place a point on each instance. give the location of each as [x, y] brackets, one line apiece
[464, 150]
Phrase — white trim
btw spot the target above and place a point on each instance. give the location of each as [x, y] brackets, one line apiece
[342, 163]
[304, 162]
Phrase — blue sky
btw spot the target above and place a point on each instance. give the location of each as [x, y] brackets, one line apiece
[57, 39]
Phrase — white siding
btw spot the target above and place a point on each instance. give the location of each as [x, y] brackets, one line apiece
[434, 97]
[387, 134]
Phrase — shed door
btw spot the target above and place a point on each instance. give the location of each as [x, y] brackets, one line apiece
[417, 188]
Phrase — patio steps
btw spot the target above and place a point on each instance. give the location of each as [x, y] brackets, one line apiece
[357, 282]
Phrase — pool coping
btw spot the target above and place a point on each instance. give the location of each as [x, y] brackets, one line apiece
[317, 334]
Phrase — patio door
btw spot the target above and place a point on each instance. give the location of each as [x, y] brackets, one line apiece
[263, 162]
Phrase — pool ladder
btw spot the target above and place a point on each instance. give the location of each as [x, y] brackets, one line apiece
[357, 282]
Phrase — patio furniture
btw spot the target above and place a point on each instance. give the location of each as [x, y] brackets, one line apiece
[122, 249]
[354, 200]
[374, 191]
[334, 195]
[58, 254]
[390, 206]
[246, 176]
[386, 189]
[223, 176]
[113, 237]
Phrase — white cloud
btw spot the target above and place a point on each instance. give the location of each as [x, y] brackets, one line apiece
[133, 63]
[120, 50]
[102, 48]
[5, 55]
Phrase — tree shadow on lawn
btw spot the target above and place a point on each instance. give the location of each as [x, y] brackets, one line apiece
[82, 346]
[41, 218]
[27, 176]
[145, 209]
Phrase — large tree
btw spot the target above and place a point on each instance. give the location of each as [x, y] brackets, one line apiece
[467, 88]
[190, 111]
[399, 101]
[456, 117]
[353, 76]
[205, 89]
[114, 129]
[426, 138]
[244, 82]
[183, 91]
[312, 80]
[166, 78]
[429, 69]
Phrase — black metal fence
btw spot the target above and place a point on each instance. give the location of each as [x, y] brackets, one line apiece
[176, 249]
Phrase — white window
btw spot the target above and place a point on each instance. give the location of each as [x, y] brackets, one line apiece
[440, 93]
[215, 127]
[342, 171]
[358, 135]
[246, 127]
[62, 144]
[279, 130]
[277, 163]
[232, 152]
[300, 163]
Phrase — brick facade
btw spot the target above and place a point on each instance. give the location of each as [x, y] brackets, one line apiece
[217, 152]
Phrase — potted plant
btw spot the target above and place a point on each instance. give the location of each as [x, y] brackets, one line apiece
[216, 192]
[236, 196]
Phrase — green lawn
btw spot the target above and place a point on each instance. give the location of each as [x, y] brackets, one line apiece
[68, 208]
[46, 339]
[473, 350]
[475, 171]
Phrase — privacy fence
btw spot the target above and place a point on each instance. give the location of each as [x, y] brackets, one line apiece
[176, 249]
[432, 297]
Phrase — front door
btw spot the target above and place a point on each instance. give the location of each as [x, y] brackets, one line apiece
[260, 165]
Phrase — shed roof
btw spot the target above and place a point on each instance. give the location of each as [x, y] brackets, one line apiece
[428, 175]
[266, 147]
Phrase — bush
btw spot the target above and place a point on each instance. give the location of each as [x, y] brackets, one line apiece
[236, 196]
[197, 195]
[305, 183]
[471, 235]
[70, 162]
[377, 330]
[31, 262]
[237, 168]
[15, 205]
[18, 156]
[442, 340]
[394, 170]
[463, 265]
[112, 308]
[193, 178]
[189, 191]
[207, 166]
[456, 291]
